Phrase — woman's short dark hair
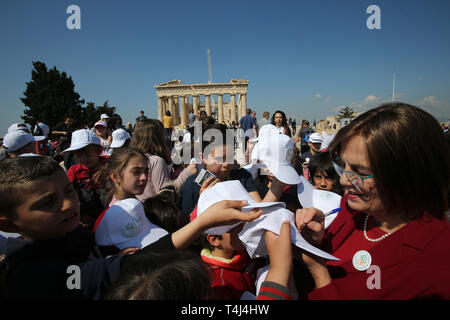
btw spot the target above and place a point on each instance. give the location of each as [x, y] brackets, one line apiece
[408, 156]
[172, 275]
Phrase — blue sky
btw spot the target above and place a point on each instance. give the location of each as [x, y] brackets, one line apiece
[307, 58]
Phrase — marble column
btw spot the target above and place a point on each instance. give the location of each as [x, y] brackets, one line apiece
[171, 109]
[164, 105]
[160, 109]
[220, 110]
[243, 104]
[208, 104]
[195, 103]
[233, 107]
[184, 119]
[176, 117]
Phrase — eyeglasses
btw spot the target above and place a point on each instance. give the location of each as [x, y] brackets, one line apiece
[354, 178]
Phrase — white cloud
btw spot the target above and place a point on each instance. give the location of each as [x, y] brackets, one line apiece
[327, 100]
[370, 99]
[368, 102]
[432, 101]
[317, 96]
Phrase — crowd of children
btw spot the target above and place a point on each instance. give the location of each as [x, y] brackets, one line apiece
[128, 218]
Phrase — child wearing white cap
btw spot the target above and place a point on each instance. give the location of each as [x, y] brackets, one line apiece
[127, 170]
[314, 143]
[86, 147]
[103, 132]
[19, 142]
[120, 138]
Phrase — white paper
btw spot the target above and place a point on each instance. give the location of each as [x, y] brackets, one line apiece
[252, 234]
[323, 200]
[253, 168]
[229, 190]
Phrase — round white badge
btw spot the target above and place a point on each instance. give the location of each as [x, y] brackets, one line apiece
[130, 228]
[362, 260]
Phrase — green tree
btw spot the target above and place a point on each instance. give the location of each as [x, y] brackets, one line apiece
[346, 112]
[91, 113]
[49, 96]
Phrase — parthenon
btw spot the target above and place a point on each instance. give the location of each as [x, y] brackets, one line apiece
[174, 96]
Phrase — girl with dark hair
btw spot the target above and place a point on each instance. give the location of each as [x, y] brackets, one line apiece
[279, 120]
[149, 138]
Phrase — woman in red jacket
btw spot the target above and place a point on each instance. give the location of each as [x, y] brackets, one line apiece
[392, 234]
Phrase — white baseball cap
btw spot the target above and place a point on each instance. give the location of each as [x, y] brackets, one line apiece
[125, 225]
[316, 138]
[119, 137]
[18, 126]
[228, 190]
[104, 116]
[101, 123]
[17, 139]
[82, 138]
[268, 129]
[276, 152]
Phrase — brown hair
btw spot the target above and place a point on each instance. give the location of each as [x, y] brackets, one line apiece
[116, 162]
[408, 156]
[172, 275]
[149, 137]
[16, 174]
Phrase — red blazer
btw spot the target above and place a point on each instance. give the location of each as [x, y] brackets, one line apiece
[414, 261]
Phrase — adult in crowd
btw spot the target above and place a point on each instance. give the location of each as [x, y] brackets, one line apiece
[264, 120]
[279, 120]
[314, 144]
[191, 116]
[141, 117]
[168, 126]
[63, 133]
[294, 127]
[248, 125]
[303, 136]
[116, 123]
[391, 235]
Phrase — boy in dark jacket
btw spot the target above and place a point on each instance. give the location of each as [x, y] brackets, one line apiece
[56, 258]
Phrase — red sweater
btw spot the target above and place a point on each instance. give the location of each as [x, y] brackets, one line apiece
[230, 278]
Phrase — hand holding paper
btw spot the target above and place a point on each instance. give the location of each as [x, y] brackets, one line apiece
[324, 201]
